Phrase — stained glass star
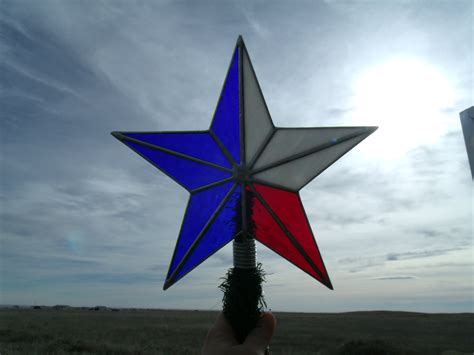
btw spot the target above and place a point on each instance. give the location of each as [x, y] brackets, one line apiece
[244, 175]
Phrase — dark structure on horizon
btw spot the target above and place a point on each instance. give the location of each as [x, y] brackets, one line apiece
[467, 123]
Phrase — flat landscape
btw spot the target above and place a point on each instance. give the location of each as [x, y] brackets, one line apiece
[100, 330]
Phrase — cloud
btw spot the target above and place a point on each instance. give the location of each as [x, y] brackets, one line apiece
[254, 23]
[374, 263]
[429, 233]
[398, 277]
[416, 254]
[157, 267]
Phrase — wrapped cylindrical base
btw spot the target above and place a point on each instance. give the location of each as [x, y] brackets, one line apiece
[245, 254]
[243, 299]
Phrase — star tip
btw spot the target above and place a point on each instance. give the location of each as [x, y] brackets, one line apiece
[240, 41]
[166, 285]
[116, 134]
[328, 284]
[368, 130]
[372, 129]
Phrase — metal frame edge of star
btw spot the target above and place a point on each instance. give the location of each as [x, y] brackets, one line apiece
[244, 175]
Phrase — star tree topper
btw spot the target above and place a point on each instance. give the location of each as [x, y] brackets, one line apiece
[244, 175]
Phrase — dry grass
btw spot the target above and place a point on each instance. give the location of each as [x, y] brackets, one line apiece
[82, 331]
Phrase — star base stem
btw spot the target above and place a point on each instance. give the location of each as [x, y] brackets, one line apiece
[243, 299]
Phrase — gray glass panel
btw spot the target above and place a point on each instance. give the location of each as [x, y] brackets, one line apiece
[297, 173]
[290, 141]
[258, 123]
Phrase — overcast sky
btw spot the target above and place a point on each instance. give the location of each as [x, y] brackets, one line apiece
[85, 221]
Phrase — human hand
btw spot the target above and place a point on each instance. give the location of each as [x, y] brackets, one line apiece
[221, 340]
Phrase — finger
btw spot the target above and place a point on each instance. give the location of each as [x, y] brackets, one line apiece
[260, 337]
[222, 332]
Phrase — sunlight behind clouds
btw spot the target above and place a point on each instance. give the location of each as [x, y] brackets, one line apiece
[405, 97]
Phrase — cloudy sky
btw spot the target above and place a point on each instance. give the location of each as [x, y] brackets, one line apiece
[85, 221]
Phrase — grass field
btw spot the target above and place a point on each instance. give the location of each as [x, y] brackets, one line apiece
[105, 331]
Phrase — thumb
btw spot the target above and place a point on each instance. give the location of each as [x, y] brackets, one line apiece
[261, 335]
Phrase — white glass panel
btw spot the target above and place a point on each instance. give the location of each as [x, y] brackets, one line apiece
[297, 173]
[258, 123]
[290, 141]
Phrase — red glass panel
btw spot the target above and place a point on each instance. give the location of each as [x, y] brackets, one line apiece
[289, 210]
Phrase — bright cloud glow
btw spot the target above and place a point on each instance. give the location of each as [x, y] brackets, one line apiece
[405, 98]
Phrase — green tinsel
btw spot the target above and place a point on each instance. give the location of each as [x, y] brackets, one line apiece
[243, 299]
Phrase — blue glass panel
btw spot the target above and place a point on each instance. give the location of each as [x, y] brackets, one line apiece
[186, 172]
[200, 208]
[226, 119]
[222, 230]
[197, 144]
